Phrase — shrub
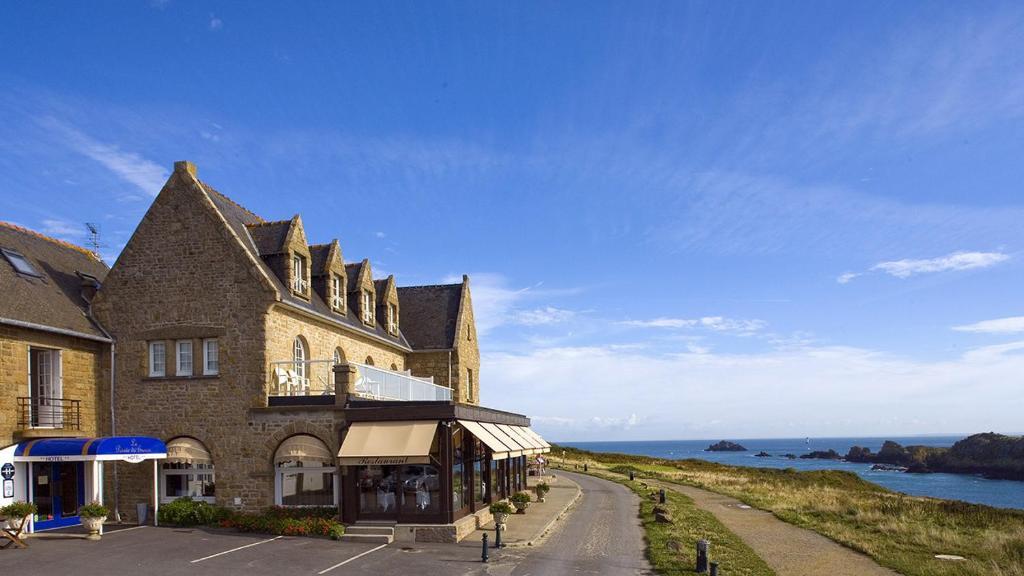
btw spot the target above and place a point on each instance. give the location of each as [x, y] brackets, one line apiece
[288, 522]
[188, 512]
[94, 510]
[502, 508]
[521, 498]
[18, 510]
[542, 488]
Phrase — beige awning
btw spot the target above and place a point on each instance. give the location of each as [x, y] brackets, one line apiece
[499, 451]
[515, 448]
[528, 447]
[303, 447]
[387, 443]
[187, 451]
[537, 437]
[535, 447]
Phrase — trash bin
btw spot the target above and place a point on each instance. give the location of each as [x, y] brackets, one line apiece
[142, 509]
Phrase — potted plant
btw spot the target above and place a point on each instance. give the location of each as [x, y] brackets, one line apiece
[501, 511]
[16, 513]
[521, 500]
[93, 516]
[542, 488]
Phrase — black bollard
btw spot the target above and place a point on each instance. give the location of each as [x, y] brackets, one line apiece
[714, 569]
[483, 555]
[630, 475]
[497, 536]
[584, 466]
[661, 496]
[702, 556]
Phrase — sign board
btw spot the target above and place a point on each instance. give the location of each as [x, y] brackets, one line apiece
[7, 471]
[383, 460]
[8, 488]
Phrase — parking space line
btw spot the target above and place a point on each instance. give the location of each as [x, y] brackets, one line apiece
[356, 557]
[236, 549]
[105, 533]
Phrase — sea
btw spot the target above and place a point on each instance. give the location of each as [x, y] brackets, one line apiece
[965, 487]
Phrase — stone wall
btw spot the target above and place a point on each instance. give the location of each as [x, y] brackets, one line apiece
[83, 366]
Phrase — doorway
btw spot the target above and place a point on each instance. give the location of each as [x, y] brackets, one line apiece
[45, 388]
[58, 491]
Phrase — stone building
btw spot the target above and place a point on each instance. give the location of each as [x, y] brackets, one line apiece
[277, 373]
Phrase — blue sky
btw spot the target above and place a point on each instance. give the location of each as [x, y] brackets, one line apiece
[682, 220]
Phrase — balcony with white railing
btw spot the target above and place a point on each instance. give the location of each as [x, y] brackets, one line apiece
[316, 378]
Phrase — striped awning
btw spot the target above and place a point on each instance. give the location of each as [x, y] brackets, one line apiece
[499, 450]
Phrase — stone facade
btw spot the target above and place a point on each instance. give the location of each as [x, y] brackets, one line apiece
[83, 368]
[187, 274]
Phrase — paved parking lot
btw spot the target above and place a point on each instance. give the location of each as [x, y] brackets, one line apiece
[171, 551]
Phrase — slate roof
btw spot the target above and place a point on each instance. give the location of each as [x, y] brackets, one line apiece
[318, 258]
[269, 237]
[242, 220]
[55, 298]
[429, 315]
[352, 272]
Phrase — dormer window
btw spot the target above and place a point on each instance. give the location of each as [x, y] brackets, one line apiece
[337, 294]
[299, 282]
[392, 318]
[367, 307]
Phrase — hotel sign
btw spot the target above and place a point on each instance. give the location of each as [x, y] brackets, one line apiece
[384, 460]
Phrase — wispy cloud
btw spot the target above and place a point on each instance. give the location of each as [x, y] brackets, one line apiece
[380, 234]
[716, 323]
[496, 303]
[1009, 325]
[955, 261]
[62, 229]
[131, 167]
[542, 316]
[215, 23]
[846, 277]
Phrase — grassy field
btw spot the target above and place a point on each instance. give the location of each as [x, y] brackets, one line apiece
[672, 548]
[901, 532]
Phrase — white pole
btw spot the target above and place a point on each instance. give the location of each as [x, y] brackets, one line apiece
[156, 493]
[32, 518]
[97, 485]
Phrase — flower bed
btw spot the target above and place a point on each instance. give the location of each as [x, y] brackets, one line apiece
[288, 522]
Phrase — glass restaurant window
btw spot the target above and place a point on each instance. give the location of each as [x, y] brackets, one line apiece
[480, 483]
[305, 474]
[460, 493]
[187, 471]
[421, 489]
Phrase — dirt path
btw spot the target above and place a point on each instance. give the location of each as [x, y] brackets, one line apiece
[788, 549]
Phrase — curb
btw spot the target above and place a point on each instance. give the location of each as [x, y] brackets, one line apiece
[544, 531]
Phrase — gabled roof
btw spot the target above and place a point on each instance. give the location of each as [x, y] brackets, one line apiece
[242, 221]
[270, 237]
[320, 257]
[54, 299]
[430, 315]
[352, 271]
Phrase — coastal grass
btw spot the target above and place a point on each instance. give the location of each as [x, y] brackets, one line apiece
[672, 547]
[898, 531]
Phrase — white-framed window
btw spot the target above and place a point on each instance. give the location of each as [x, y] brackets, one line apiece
[367, 307]
[211, 357]
[392, 318]
[337, 294]
[187, 471]
[183, 358]
[157, 359]
[299, 283]
[299, 357]
[305, 473]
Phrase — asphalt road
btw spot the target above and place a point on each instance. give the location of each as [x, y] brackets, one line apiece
[601, 535]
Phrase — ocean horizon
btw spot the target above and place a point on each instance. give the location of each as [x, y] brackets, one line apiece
[964, 487]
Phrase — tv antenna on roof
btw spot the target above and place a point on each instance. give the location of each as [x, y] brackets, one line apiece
[94, 236]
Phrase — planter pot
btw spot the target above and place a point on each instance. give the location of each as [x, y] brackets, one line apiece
[93, 525]
[521, 507]
[500, 519]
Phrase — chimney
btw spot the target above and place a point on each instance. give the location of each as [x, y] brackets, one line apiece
[185, 166]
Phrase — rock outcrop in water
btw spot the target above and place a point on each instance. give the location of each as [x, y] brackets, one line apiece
[991, 455]
[725, 446]
[822, 455]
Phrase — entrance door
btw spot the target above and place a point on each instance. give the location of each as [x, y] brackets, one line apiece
[58, 490]
[45, 388]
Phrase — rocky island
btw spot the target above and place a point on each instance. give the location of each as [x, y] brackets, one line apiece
[725, 446]
[990, 455]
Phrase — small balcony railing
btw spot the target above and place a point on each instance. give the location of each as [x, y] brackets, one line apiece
[47, 412]
[316, 378]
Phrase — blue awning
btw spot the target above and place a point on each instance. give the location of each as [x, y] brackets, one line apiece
[125, 448]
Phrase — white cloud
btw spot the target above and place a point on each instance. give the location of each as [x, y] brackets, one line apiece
[845, 277]
[955, 261]
[62, 229]
[1010, 325]
[129, 166]
[379, 234]
[716, 323]
[216, 23]
[582, 392]
[542, 316]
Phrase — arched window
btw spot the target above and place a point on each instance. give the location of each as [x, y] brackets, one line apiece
[339, 356]
[305, 473]
[187, 471]
[299, 357]
[369, 361]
